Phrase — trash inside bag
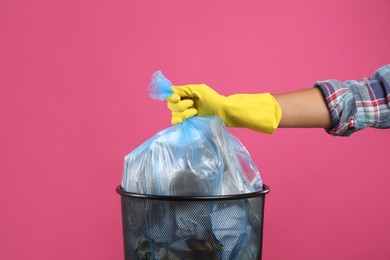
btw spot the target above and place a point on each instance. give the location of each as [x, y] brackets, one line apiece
[198, 157]
[192, 229]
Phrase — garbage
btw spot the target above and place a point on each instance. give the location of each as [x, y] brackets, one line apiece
[197, 158]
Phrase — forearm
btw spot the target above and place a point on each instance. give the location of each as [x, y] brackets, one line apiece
[305, 108]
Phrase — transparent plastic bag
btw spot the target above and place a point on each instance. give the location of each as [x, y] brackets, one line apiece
[198, 157]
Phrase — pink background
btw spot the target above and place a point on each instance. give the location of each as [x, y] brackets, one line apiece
[73, 103]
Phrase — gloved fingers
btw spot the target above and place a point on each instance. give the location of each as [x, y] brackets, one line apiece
[181, 105]
[174, 98]
[191, 90]
[176, 120]
[183, 115]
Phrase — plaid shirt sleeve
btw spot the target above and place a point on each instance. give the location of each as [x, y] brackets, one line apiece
[356, 105]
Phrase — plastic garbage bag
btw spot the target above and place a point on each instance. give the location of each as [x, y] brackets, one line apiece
[198, 157]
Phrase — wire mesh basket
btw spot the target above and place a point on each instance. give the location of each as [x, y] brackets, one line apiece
[187, 227]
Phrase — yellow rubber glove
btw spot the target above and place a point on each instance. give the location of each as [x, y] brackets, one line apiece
[259, 112]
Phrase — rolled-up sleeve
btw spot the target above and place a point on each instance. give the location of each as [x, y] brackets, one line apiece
[356, 105]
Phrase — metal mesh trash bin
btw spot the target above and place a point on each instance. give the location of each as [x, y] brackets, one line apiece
[187, 227]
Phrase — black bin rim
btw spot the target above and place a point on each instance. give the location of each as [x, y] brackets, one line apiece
[255, 194]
